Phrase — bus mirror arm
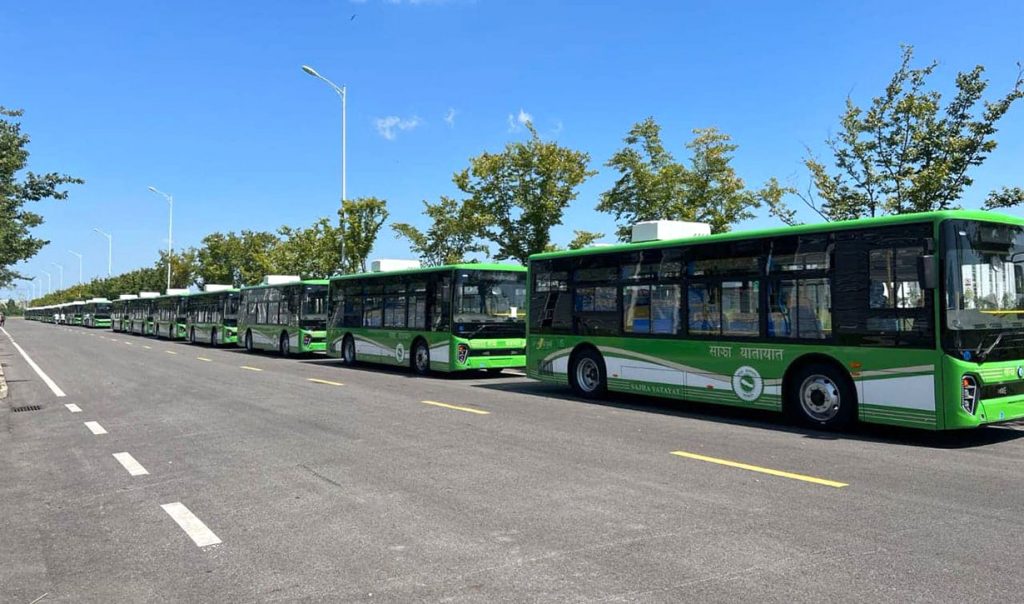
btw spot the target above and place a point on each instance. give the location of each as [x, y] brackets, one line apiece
[926, 274]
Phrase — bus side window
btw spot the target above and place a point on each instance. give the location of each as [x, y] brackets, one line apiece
[440, 310]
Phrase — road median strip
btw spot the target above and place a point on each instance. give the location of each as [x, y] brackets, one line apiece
[744, 466]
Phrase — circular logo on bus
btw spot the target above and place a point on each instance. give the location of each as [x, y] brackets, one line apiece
[747, 383]
[399, 352]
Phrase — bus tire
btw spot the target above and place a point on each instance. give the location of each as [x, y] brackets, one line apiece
[348, 350]
[420, 358]
[192, 335]
[284, 345]
[494, 370]
[587, 374]
[821, 395]
[213, 337]
[248, 341]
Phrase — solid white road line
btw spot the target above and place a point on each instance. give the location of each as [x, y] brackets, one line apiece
[192, 526]
[134, 468]
[53, 386]
[73, 408]
[95, 427]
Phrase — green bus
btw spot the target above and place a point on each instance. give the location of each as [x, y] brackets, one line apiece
[213, 316]
[119, 312]
[914, 320]
[96, 313]
[140, 314]
[169, 314]
[445, 318]
[74, 312]
[289, 317]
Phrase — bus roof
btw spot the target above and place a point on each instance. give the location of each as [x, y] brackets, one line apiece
[215, 292]
[822, 227]
[302, 282]
[485, 266]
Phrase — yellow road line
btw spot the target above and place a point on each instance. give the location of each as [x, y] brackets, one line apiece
[204, 359]
[743, 466]
[328, 382]
[170, 352]
[457, 408]
[251, 368]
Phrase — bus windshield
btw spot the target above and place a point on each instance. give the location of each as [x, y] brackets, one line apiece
[984, 276]
[314, 307]
[489, 298]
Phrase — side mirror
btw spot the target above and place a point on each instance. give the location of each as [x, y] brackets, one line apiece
[927, 275]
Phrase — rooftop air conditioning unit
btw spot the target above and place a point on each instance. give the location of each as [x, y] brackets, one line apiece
[128, 297]
[176, 291]
[386, 264]
[279, 279]
[662, 230]
[215, 287]
[148, 294]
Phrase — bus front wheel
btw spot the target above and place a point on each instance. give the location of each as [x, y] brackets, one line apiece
[285, 345]
[348, 350]
[421, 358]
[587, 374]
[213, 337]
[823, 396]
[192, 336]
[248, 341]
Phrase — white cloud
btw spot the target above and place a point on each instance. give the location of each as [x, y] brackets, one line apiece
[390, 126]
[515, 120]
[449, 118]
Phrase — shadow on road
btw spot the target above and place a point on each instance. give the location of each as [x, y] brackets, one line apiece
[755, 418]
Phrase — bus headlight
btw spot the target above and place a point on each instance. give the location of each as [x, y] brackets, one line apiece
[969, 393]
[463, 352]
[307, 339]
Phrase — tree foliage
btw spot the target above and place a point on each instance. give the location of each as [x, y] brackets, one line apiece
[361, 220]
[451, 235]
[235, 259]
[16, 223]
[522, 192]
[907, 152]
[654, 186]
[313, 252]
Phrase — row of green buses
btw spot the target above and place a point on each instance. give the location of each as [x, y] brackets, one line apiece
[913, 320]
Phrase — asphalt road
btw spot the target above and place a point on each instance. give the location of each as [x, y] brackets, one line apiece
[352, 488]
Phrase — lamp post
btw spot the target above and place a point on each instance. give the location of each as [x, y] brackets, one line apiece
[73, 253]
[110, 248]
[342, 92]
[61, 267]
[49, 281]
[170, 229]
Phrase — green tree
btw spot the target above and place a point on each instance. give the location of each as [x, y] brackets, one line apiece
[907, 152]
[452, 234]
[12, 308]
[16, 223]
[313, 252]
[653, 186]
[1004, 198]
[522, 192]
[580, 239]
[235, 259]
[184, 265]
[361, 220]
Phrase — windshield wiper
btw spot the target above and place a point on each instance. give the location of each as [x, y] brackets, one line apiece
[983, 354]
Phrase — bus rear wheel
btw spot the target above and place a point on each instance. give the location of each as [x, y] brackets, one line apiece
[348, 350]
[248, 341]
[213, 337]
[421, 358]
[821, 395]
[587, 374]
[284, 347]
[192, 336]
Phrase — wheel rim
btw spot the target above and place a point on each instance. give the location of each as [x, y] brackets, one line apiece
[819, 398]
[350, 350]
[284, 347]
[588, 375]
[422, 358]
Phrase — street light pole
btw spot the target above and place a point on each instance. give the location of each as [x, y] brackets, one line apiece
[61, 267]
[170, 229]
[342, 92]
[110, 248]
[49, 281]
[79, 265]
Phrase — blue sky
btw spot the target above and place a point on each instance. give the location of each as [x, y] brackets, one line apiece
[206, 100]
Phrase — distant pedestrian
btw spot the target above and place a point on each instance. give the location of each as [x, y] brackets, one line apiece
[2, 319]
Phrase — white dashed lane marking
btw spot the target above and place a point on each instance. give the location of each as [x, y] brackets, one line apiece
[193, 526]
[134, 468]
[95, 428]
[73, 408]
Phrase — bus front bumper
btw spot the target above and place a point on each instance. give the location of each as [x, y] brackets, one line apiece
[993, 392]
